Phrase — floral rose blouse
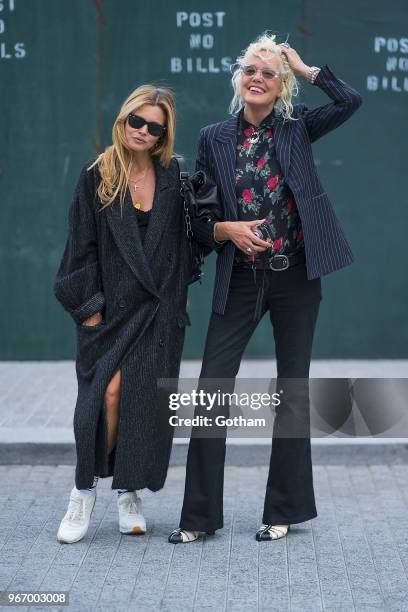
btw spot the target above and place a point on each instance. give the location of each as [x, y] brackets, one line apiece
[262, 192]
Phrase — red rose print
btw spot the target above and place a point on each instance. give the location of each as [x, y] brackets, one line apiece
[273, 182]
[247, 195]
[277, 244]
[249, 131]
[269, 133]
[290, 206]
[261, 163]
[246, 144]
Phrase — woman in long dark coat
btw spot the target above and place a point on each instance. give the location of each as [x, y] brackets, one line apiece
[123, 278]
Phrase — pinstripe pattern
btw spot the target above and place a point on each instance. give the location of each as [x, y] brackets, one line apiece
[326, 246]
[142, 289]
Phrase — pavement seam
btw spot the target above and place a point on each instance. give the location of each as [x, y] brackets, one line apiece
[197, 582]
[167, 576]
[317, 565]
[108, 569]
[32, 501]
[27, 551]
[400, 490]
[332, 499]
[259, 519]
[372, 555]
[288, 574]
[395, 545]
[139, 570]
[229, 552]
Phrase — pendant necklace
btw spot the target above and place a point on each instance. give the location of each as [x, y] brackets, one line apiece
[138, 204]
[254, 138]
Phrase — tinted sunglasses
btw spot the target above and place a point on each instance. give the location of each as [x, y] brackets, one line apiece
[154, 128]
[267, 73]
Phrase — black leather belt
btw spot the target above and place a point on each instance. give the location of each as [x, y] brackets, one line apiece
[277, 263]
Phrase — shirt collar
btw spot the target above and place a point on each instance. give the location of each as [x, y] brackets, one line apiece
[268, 121]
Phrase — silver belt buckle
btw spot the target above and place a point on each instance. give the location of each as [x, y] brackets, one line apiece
[285, 263]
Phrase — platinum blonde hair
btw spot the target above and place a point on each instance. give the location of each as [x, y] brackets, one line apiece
[263, 47]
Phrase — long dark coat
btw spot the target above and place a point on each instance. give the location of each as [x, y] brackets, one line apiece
[141, 291]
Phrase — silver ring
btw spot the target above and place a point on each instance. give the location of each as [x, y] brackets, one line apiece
[285, 45]
[249, 250]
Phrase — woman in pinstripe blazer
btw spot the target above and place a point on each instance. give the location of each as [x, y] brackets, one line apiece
[280, 235]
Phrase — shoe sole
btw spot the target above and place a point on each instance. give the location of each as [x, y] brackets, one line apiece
[134, 531]
[71, 541]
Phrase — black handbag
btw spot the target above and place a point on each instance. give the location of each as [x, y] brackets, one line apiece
[200, 201]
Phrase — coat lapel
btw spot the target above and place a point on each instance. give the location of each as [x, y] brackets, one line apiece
[164, 198]
[125, 230]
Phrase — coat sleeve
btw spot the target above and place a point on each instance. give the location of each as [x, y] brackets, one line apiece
[78, 284]
[203, 231]
[345, 101]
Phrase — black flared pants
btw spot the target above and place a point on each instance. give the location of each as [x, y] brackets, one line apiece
[293, 303]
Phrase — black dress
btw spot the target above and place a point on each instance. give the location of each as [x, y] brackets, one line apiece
[143, 217]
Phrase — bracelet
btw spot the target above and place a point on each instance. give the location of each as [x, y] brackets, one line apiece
[215, 240]
[312, 73]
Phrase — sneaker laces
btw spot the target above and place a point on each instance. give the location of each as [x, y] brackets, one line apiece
[133, 507]
[75, 511]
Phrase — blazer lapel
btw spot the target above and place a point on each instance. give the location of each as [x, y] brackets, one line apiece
[283, 136]
[125, 230]
[225, 152]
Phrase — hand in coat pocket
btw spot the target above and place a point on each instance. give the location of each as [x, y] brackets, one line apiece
[95, 319]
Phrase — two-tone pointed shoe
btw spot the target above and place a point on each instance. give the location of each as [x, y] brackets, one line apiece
[271, 532]
[182, 536]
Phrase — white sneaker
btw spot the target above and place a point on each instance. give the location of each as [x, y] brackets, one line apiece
[131, 519]
[75, 523]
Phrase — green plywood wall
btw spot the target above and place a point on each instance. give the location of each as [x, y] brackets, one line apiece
[66, 66]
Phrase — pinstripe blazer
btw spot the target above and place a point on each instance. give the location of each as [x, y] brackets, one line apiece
[325, 244]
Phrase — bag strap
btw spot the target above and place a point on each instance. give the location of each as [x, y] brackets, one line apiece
[183, 174]
[198, 257]
[181, 162]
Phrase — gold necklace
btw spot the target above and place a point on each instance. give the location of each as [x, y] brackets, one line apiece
[138, 204]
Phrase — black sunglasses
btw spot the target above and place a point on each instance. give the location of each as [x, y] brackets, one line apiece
[154, 128]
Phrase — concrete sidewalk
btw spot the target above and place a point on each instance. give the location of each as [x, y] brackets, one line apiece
[353, 556]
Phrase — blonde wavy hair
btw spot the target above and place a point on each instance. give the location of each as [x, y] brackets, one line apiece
[263, 47]
[115, 162]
